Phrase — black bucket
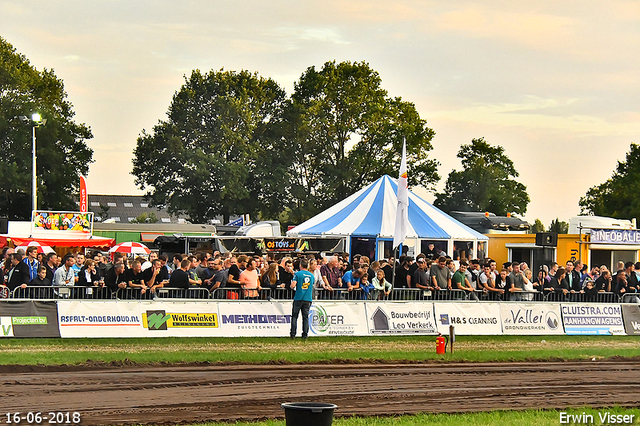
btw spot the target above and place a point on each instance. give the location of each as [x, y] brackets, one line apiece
[308, 413]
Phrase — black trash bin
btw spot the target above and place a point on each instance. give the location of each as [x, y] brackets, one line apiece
[308, 413]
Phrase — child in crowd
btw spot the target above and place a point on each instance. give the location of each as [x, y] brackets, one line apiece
[380, 285]
[41, 279]
[365, 286]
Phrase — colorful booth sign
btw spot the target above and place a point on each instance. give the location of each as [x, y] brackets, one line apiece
[62, 221]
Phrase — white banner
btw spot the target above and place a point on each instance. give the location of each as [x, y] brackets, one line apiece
[257, 319]
[592, 318]
[401, 318]
[469, 318]
[337, 319]
[531, 318]
[100, 319]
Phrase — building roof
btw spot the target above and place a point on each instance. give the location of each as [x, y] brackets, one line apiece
[125, 208]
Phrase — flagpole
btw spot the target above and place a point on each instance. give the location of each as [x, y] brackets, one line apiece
[402, 212]
[393, 267]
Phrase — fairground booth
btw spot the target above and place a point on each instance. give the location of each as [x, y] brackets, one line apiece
[594, 240]
[366, 222]
[62, 231]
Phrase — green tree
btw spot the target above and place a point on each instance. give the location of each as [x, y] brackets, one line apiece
[559, 226]
[146, 218]
[62, 154]
[485, 183]
[347, 133]
[536, 227]
[221, 150]
[618, 196]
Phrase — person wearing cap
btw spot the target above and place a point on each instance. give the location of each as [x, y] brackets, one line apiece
[421, 276]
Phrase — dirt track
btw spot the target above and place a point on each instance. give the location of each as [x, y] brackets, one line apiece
[198, 393]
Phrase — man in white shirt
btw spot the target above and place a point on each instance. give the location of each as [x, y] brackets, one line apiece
[64, 276]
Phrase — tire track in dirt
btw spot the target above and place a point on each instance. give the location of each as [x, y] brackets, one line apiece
[197, 393]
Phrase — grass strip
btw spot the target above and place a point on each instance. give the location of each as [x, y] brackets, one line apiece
[503, 418]
[321, 349]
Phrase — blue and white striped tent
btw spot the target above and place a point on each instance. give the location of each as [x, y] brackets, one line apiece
[371, 212]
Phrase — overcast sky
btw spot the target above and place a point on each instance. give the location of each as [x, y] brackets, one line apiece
[555, 83]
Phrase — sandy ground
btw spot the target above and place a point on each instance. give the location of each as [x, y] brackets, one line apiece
[169, 394]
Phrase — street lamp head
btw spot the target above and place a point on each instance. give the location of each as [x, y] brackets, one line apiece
[36, 119]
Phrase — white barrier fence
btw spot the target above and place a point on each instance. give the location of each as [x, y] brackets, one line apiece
[334, 318]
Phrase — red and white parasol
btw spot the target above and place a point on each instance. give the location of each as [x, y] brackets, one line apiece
[130, 247]
[41, 247]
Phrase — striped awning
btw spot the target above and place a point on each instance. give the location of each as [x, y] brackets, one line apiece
[372, 212]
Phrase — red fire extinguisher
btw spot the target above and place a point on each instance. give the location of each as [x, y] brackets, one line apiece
[441, 345]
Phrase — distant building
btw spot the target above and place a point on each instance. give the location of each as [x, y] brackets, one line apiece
[126, 208]
[489, 223]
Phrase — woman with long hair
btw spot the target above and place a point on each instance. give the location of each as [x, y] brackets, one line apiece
[88, 275]
[271, 279]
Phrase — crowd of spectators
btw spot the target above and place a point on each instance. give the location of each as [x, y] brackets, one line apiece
[337, 276]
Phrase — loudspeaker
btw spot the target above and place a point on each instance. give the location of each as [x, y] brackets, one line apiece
[4, 225]
[547, 239]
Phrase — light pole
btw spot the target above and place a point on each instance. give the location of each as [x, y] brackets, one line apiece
[35, 121]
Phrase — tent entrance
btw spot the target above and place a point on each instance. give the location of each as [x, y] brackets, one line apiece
[364, 246]
[372, 247]
[385, 248]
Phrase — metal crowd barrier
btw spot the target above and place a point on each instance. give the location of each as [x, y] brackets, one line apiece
[400, 294]
[162, 293]
[519, 296]
[49, 292]
[181, 293]
[524, 296]
[601, 297]
[234, 293]
[630, 298]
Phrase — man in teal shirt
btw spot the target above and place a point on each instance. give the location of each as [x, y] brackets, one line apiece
[302, 282]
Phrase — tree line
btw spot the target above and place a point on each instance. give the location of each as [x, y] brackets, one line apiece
[233, 142]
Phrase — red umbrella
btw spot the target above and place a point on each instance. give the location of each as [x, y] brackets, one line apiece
[41, 247]
[130, 247]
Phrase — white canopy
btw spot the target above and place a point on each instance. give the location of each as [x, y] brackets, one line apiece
[371, 212]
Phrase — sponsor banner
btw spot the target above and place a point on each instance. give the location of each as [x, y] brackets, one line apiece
[401, 318]
[531, 318]
[469, 318]
[29, 319]
[257, 319]
[591, 318]
[280, 244]
[100, 319]
[337, 319]
[180, 319]
[631, 315]
[615, 236]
